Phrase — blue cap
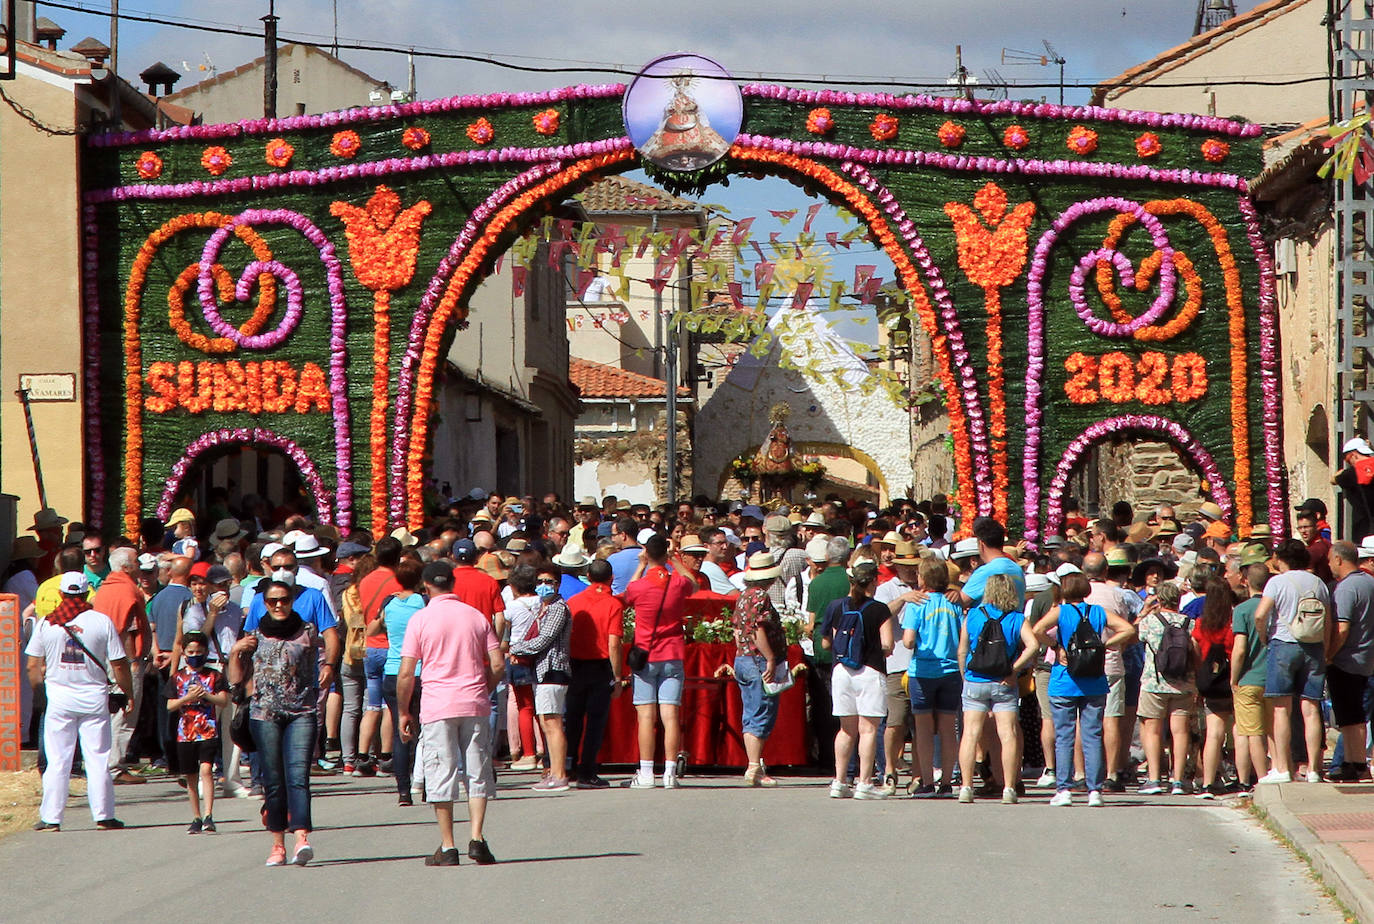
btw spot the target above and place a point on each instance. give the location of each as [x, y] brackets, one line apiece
[465, 550]
[754, 547]
[753, 511]
[603, 530]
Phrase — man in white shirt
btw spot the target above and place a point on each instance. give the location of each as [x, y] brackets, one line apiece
[73, 653]
[894, 594]
[717, 551]
[309, 553]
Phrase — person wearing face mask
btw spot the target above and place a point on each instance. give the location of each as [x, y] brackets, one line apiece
[307, 603]
[547, 640]
[196, 692]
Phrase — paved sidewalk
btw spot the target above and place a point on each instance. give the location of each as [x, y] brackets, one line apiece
[1334, 825]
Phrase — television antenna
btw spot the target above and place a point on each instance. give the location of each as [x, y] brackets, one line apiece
[1048, 57]
[999, 88]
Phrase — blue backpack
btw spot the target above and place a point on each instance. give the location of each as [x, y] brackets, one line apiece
[847, 640]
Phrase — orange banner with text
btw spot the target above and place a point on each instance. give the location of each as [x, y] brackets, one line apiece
[11, 676]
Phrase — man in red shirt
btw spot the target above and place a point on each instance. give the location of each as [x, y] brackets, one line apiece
[120, 598]
[597, 661]
[1318, 548]
[659, 599]
[482, 592]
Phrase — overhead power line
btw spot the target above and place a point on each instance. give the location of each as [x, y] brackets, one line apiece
[929, 83]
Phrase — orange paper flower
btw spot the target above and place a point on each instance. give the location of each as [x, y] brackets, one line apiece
[481, 131]
[1082, 140]
[951, 134]
[1215, 150]
[546, 122]
[1015, 137]
[1147, 145]
[883, 127]
[216, 160]
[149, 165]
[279, 152]
[345, 144]
[819, 121]
[415, 138]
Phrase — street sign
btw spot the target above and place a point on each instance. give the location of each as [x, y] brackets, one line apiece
[49, 386]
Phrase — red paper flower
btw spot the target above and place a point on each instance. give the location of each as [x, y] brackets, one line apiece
[1147, 145]
[1082, 140]
[546, 122]
[819, 121]
[216, 160]
[883, 127]
[1215, 150]
[345, 144]
[1015, 137]
[951, 135]
[415, 138]
[279, 152]
[481, 131]
[149, 165]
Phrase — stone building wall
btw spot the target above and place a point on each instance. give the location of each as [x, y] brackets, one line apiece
[1146, 473]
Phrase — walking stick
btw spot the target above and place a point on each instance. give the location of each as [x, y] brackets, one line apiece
[23, 394]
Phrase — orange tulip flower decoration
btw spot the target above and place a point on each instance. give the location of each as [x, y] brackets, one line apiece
[383, 248]
[992, 253]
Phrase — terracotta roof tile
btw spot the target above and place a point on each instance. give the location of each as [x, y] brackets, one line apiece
[257, 62]
[618, 194]
[598, 380]
[1198, 44]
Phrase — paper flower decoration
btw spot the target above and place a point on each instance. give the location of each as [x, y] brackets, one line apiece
[215, 160]
[481, 131]
[546, 122]
[1082, 140]
[415, 138]
[819, 121]
[1215, 150]
[1147, 145]
[279, 152]
[1015, 137]
[951, 134]
[883, 127]
[345, 144]
[149, 165]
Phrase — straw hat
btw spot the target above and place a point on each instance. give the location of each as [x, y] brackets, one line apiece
[1210, 511]
[47, 518]
[906, 553]
[692, 543]
[404, 537]
[892, 538]
[761, 567]
[572, 558]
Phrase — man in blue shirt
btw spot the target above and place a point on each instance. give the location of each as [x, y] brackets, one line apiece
[310, 605]
[624, 562]
[572, 562]
[991, 536]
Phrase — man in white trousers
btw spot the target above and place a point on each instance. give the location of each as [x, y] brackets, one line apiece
[74, 652]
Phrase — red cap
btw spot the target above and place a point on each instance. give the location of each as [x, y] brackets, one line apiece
[200, 569]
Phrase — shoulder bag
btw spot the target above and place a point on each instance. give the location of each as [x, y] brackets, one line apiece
[117, 700]
[637, 658]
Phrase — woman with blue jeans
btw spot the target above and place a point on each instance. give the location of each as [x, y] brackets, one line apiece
[395, 616]
[1000, 694]
[760, 648]
[1078, 701]
[280, 657]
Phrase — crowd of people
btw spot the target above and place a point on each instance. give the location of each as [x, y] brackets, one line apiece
[503, 630]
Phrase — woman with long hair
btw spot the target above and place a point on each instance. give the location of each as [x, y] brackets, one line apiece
[1214, 637]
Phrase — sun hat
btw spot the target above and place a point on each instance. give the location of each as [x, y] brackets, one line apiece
[228, 529]
[1117, 558]
[47, 518]
[1257, 554]
[964, 548]
[588, 503]
[25, 547]
[572, 558]
[405, 537]
[815, 520]
[147, 562]
[1064, 571]
[179, 515]
[517, 545]
[692, 543]
[906, 553]
[307, 546]
[1209, 511]
[1036, 582]
[817, 550]
[761, 567]
[777, 524]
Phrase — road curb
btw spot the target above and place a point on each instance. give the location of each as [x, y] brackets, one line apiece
[1332, 865]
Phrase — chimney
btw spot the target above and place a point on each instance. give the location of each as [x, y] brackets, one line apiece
[48, 32]
[93, 50]
[160, 78]
[24, 18]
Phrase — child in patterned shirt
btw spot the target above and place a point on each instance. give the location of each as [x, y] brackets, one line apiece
[196, 691]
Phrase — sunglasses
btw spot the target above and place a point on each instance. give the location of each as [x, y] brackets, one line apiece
[547, 582]
[275, 601]
[96, 551]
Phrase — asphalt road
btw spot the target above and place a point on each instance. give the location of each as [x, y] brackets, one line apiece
[707, 851]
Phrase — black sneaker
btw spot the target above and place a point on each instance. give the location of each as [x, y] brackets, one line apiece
[480, 852]
[924, 792]
[109, 824]
[944, 791]
[1349, 773]
[1113, 785]
[405, 800]
[196, 826]
[385, 767]
[1079, 785]
[592, 782]
[207, 824]
[443, 857]
[989, 787]
[46, 826]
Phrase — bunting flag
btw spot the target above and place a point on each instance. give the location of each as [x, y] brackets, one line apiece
[517, 280]
[803, 294]
[811, 214]
[736, 291]
[783, 217]
[862, 273]
[763, 274]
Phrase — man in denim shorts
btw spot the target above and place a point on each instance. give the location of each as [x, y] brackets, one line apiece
[659, 600]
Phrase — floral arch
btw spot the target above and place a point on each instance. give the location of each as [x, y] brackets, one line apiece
[1075, 268]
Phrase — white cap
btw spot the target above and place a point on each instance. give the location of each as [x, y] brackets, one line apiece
[816, 549]
[645, 535]
[74, 582]
[1036, 582]
[307, 546]
[1183, 542]
[272, 548]
[964, 548]
[1065, 569]
[147, 562]
[1366, 549]
[730, 535]
[1357, 444]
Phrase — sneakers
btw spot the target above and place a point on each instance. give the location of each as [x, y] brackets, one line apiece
[868, 791]
[1079, 785]
[196, 826]
[592, 782]
[1313, 776]
[365, 767]
[1113, 785]
[109, 824]
[236, 791]
[1214, 791]
[944, 791]
[552, 784]
[965, 794]
[670, 781]
[46, 826]
[1061, 798]
[443, 857]
[641, 781]
[277, 857]
[404, 800]
[1274, 776]
[480, 853]
[1150, 788]
[1349, 772]
[889, 787]
[758, 777]
[988, 787]
[1047, 778]
[923, 792]
[1009, 795]
[207, 824]
[350, 768]
[304, 853]
[1094, 799]
[1179, 788]
[524, 763]
[840, 790]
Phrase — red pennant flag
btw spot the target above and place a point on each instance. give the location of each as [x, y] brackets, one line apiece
[832, 238]
[517, 281]
[741, 231]
[763, 273]
[783, 217]
[862, 274]
[811, 214]
[499, 260]
[736, 291]
[584, 279]
[803, 295]
[871, 289]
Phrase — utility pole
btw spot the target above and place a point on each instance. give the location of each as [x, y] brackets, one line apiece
[269, 77]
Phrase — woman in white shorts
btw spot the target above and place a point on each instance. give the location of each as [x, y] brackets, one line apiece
[859, 632]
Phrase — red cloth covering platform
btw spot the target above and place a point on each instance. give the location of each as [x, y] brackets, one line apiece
[711, 731]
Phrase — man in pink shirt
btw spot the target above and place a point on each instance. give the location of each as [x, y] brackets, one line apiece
[462, 664]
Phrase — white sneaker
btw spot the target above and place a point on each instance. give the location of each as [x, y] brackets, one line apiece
[1063, 797]
[1046, 779]
[1274, 776]
[670, 781]
[966, 794]
[868, 791]
[641, 781]
[236, 792]
[1009, 795]
[1094, 799]
[840, 790]
[1313, 776]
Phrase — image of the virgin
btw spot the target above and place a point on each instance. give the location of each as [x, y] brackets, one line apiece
[684, 139]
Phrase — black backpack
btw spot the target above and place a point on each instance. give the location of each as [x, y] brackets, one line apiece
[1214, 673]
[1085, 653]
[990, 657]
[1174, 654]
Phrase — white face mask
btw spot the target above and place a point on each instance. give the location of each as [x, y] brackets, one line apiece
[286, 575]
